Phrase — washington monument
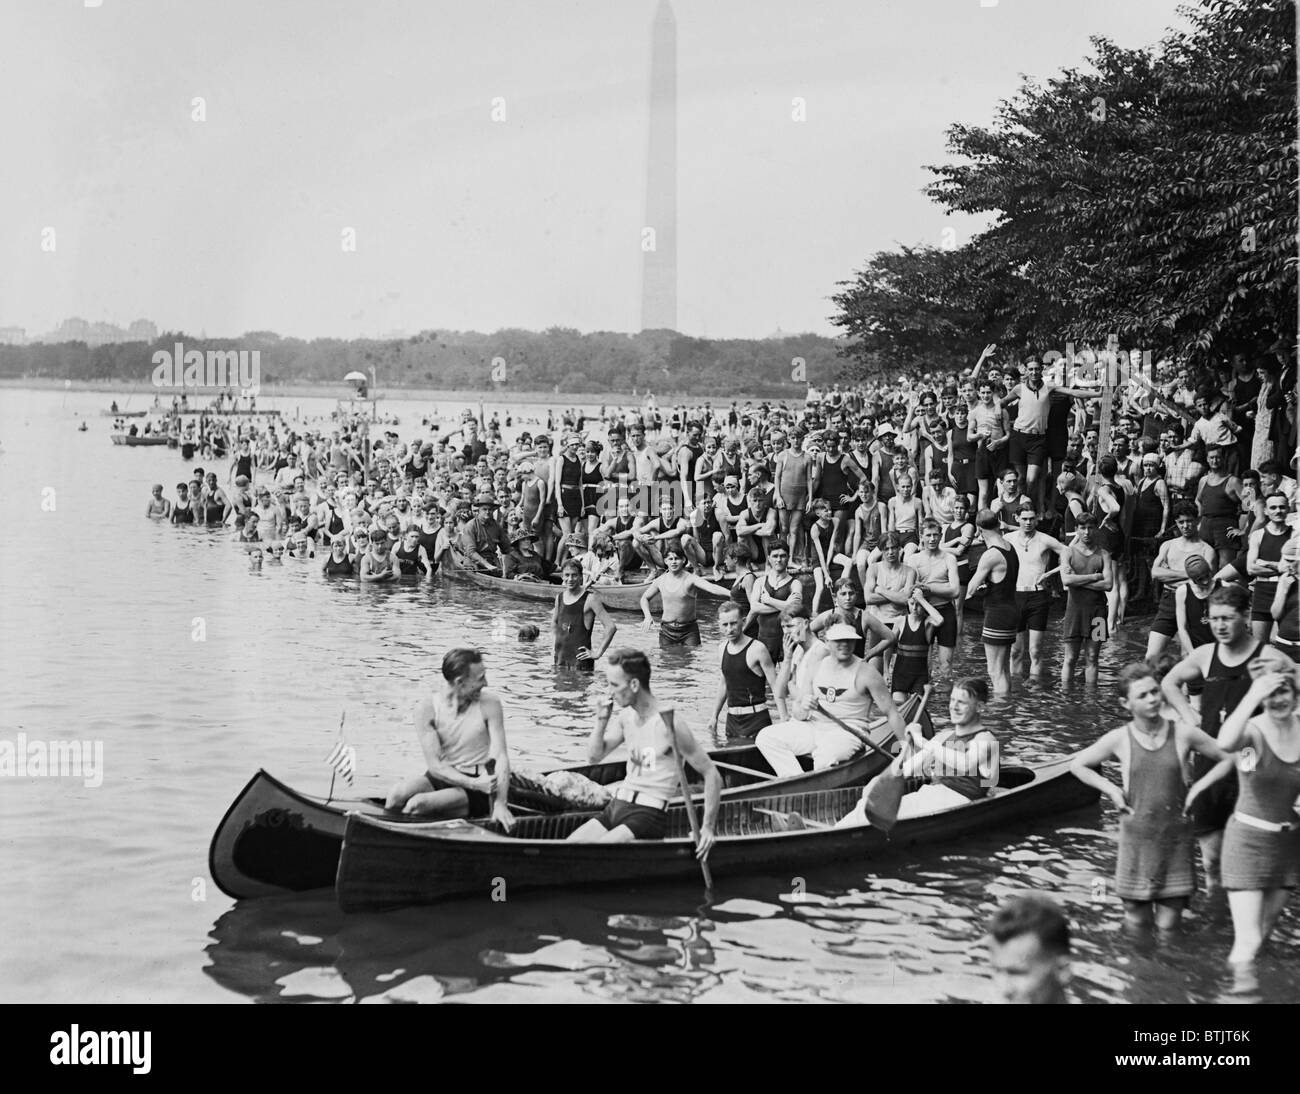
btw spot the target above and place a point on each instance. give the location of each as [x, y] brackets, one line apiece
[659, 246]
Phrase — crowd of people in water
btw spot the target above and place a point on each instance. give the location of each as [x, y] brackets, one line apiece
[847, 538]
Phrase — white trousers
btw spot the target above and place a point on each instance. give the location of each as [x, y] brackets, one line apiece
[783, 743]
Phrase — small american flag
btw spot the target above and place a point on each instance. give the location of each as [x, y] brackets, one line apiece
[343, 759]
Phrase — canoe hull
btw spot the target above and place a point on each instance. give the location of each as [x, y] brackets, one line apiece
[619, 598]
[383, 866]
[274, 839]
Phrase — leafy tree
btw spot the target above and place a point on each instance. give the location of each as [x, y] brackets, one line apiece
[1151, 195]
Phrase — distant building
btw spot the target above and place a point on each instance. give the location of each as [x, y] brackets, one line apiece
[77, 329]
[13, 336]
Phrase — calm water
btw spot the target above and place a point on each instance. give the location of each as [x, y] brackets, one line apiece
[108, 890]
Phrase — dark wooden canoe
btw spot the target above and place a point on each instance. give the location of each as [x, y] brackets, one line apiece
[385, 865]
[274, 839]
[618, 598]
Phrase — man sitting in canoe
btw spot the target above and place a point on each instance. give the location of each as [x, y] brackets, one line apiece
[463, 737]
[959, 766]
[841, 688]
[655, 738]
[483, 541]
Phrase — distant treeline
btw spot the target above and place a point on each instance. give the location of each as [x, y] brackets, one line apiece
[559, 359]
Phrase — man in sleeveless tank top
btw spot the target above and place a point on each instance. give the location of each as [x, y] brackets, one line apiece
[461, 730]
[997, 569]
[774, 591]
[655, 738]
[574, 617]
[1170, 569]
[1286, 603]
[1264, 562]
[747, 673]
[1087, 572]
[846, 686]
[1224, 667]
[1218, 495]
[1154, 873]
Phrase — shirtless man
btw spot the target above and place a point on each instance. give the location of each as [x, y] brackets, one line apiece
[677, 589]
[462, 734]
[377, 563]
[1170, 569]
[1033, 601]
[938, 580]
[747, 673]
[639, 809]
[159, 508]
[846, 686]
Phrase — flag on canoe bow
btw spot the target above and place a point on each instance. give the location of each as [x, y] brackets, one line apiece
[343, 759]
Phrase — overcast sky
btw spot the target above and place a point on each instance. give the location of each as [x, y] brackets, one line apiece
[376, 115]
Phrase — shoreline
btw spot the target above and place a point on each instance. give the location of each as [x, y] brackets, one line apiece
[391, 395]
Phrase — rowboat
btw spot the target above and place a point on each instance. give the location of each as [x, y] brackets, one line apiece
[274, 839]
[133, 442]
[621, 598]
[386, 865]
[123, 413]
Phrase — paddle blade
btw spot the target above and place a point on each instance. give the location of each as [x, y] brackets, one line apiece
[882, 799]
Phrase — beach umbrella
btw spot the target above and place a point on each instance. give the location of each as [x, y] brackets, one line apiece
[354, 376]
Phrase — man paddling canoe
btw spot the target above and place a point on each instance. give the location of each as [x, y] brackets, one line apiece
[632, 716]
[463, 737]
[841, 685]
[957, 767]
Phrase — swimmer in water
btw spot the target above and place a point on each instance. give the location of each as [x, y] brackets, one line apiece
[159, 508]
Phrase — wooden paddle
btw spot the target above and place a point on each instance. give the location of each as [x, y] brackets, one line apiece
[860, 734]
[667, 716]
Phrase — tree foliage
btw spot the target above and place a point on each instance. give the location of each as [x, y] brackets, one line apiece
[559, 360]
[1151, 194]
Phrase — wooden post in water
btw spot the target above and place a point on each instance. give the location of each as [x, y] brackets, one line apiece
[1109, 370]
